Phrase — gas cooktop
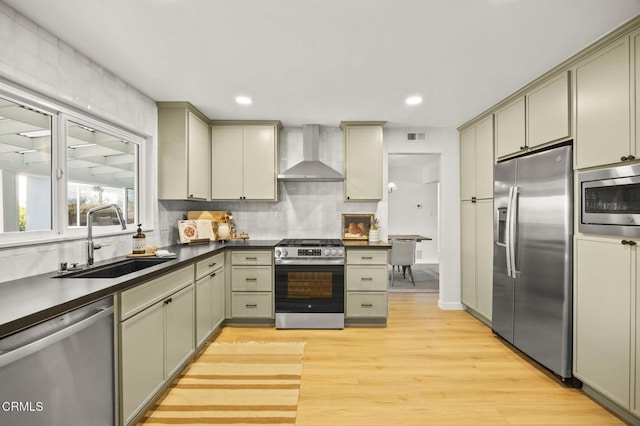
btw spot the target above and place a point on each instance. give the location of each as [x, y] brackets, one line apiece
[310, 242]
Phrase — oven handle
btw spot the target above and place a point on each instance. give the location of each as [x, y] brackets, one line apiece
[318, 262]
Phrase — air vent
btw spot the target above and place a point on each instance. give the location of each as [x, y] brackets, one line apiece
[416, 137]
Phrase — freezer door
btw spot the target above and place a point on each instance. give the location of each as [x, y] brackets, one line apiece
[542, 325]
[502, 311]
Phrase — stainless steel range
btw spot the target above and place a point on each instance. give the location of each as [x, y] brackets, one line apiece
[309, 283]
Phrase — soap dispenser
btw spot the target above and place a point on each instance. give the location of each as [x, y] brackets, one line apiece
[139, 241]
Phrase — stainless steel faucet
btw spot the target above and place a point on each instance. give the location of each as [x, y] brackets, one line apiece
[90, 245]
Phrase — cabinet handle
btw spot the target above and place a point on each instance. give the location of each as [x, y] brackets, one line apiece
[250, 258]
[348, 198]
[366, 257]
[366, 279]
[253, 305]
[624, 158]
[211, 265]
[251, 279]
[366, 305]
[523, 148]
[473, 199]
[166, 302]
[628, 242]
[630, 158]
[213, 275]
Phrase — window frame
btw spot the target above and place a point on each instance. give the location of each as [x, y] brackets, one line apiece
[60, 115]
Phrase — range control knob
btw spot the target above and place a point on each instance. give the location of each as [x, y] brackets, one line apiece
[277, 252]
[333, 252]
[340, 252]
[285, 252]
[326, 252]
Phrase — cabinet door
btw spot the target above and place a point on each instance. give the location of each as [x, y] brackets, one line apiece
[468, 163]
[484, 257]
[259, 163]
[179, 332]
[548, 111]
[199, 160]
[603, 106]
[204, 308]
[363, 162]
[226, 162]
[603, 317]
[219, 298]
[468, 253]
[484, 158]
[142, 361]
[510, 128]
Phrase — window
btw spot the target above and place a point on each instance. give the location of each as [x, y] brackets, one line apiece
[25, 169]
[55, 164]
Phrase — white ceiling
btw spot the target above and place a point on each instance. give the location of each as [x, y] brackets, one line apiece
[324, 61]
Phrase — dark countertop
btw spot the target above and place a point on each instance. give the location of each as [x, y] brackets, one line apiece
[31, 300]
[365, 244]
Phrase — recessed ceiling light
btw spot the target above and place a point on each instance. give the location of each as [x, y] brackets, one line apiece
[413, 100]
[243, 100]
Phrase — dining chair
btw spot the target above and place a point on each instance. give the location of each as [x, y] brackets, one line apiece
[403, 254]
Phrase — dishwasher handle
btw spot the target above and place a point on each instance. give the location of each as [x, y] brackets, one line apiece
[26, 350]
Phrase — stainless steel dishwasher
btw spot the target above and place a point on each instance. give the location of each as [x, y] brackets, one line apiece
[60, 372]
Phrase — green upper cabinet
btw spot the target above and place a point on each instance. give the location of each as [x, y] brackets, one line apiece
[476, 161]
[363, 160]
[548, 111]
[183, 152]
[244, 160]
[603, 106]
[510, 128]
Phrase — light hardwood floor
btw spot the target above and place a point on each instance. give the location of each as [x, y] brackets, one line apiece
[428, 367]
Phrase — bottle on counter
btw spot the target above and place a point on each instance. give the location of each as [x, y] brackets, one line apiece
[139, 241]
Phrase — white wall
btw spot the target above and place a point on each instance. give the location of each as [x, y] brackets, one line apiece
[413, 207]
[443, 141]
[40, 62]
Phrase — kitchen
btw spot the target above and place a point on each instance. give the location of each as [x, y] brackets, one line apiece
[139, 113]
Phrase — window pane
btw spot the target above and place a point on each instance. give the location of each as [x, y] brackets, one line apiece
[25, 169]
[102, 169]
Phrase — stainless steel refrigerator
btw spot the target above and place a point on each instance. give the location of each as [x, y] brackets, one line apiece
[532, 272]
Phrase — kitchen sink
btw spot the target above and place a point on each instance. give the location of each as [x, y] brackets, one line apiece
[116, 269]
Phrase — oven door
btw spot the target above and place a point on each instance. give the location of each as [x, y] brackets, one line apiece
[610, 205]
[309, 288]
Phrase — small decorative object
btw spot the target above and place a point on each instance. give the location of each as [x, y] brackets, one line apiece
[356, 226]
[139, 241]
[195, 231]
[374, 232]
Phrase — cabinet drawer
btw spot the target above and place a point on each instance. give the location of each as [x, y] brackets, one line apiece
[251, 278]
[367, 257]
[245, 257]
[367, 278]
[366, 304]
[251, 305]
[208, 265]
[138, 298]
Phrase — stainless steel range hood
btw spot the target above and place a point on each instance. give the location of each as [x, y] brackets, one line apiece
[310, 169]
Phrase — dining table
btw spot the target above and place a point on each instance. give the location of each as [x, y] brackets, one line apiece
[414, 237]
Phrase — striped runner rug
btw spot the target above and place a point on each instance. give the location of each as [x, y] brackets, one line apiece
[235, 384]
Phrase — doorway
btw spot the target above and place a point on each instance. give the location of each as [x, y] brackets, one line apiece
[414, 209]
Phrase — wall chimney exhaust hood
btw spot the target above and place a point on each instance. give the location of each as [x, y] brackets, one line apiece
[310, 169]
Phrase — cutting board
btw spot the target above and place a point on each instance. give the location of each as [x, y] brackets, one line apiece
[216, 216]
[140, 255]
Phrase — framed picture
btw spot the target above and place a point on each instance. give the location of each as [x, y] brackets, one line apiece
[356, 226]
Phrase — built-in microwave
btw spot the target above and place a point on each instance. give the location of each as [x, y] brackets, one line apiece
[610, 201]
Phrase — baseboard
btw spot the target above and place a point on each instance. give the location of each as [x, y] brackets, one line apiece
[623, 413]
[450, 306]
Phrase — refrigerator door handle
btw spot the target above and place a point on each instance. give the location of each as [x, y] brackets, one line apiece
[513, 217]
[508, 231]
